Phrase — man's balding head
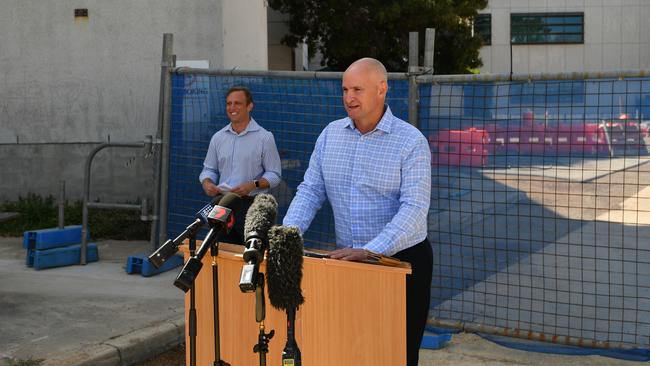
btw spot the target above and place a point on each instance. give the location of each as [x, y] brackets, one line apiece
[365, 85]
[371, 66]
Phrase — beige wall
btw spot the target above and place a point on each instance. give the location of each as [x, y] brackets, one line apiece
[67, 84]
[617, 36]
[244, 34]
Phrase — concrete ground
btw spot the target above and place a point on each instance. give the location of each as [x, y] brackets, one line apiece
[54, 313]
[99, 315]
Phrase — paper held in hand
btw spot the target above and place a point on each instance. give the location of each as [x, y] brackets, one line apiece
[224, 187]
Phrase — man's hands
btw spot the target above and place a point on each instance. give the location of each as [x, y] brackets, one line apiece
[244, 189]
[210, 188]
[349, 254]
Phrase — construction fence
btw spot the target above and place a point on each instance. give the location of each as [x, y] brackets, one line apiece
[540, 208]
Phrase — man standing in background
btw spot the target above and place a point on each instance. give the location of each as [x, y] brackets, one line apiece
[242, 158]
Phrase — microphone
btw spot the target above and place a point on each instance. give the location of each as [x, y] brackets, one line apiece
[284, 273]
[170, 247]
[284, 267]
[259, 219]
[221, 220]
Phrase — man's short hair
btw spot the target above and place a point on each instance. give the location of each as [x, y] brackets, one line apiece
[247, 93]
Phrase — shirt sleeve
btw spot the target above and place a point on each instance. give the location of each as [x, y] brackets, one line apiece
[271, 162]
[409, 226]
[210, 166]
[311, 193]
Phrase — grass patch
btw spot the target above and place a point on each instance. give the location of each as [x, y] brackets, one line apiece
[37, 212]
[29, 362]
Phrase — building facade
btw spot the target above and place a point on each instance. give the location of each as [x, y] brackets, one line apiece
[74, 74]
[532, 36]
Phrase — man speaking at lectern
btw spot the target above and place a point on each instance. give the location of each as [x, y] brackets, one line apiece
[375, 169]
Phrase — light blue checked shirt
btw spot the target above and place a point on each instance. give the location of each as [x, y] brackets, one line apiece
[379, 185]
[234, 159]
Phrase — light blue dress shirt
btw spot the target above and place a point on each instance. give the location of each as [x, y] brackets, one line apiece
[379, 185]
[234, 159]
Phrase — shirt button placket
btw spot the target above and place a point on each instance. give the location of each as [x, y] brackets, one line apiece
[355, 200]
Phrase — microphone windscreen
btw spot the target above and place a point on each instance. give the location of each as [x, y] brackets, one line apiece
[284, 267]
[261, 215]
[231, 201]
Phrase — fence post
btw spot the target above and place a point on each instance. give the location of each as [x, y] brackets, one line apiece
[412, 72]
[429, 48]
[164, 112]
[61, 204]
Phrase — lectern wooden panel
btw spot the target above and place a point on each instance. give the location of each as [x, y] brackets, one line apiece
[354, 314]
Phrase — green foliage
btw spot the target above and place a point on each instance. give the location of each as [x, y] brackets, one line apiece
[29, 362]
[345, 31]
[37, 213]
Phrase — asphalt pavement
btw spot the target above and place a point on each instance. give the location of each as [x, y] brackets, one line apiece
[95, 314]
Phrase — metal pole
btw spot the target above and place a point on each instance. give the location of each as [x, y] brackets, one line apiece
[166, 65]
[413, 86]
[86, 192]
[429, 48]
[61, 204]
[413, 52]
[319, 75]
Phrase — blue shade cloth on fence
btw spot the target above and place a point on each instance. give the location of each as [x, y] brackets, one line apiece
[540, 209]
[294, 110]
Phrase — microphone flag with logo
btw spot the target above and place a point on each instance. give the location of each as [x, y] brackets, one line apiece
[170, 247]
[220, 220]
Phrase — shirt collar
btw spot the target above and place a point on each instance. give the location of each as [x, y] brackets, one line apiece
[252, 126]
[385, 123]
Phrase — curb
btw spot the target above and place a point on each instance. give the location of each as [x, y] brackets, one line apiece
[137, 346]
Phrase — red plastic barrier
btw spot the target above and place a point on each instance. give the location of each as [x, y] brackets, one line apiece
[460, 148]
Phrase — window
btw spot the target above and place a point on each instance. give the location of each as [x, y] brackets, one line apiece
[542, 28]
[483, 28]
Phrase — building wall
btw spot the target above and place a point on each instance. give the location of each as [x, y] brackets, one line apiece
[69, 83]
[244, 34]
[280, 56]
[616, 36]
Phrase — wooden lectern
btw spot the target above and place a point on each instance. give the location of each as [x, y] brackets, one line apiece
[354, 314]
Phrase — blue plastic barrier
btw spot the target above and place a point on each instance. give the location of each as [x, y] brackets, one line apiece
[139, 263]
[52, 238]
[58, 257]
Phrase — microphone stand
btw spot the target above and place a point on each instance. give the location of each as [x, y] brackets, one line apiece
[185, 281]
[263, 338]
[291, 352]
[214, 251]
[192, 312]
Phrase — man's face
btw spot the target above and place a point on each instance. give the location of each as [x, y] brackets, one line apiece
[236, 107]
[363, 95]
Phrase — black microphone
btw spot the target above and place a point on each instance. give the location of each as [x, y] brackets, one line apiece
[221, 220]
[284, 273]
[284, 267]
[259, 219]
[170, 247]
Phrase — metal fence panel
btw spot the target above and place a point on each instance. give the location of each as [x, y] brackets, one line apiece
[540, 207]
[540, 202]
[294, 109]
